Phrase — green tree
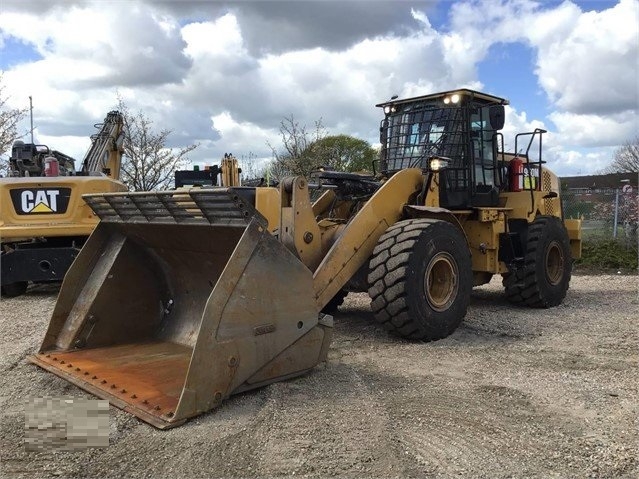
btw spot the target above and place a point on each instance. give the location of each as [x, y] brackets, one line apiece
[305, 151]
[344, 153]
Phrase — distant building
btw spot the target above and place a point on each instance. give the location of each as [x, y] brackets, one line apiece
[600, 182]
[601, 197]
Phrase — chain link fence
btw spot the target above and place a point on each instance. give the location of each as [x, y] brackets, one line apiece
[606, 213]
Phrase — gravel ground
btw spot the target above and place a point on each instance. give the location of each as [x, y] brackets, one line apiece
[513, 392]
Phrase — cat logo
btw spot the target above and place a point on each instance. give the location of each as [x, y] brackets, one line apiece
[38, 201]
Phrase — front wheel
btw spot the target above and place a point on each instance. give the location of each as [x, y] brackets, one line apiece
[421, 279]
[543, 280]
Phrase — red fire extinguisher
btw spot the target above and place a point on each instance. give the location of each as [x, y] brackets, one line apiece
[51, 166]
[516, 174]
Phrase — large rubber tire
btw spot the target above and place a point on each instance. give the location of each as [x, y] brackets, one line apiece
[420, 279]
[12, 290]
[543, 280]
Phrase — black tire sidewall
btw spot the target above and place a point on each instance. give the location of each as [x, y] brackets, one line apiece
[552, 231]
[13, 290]
[440, 237]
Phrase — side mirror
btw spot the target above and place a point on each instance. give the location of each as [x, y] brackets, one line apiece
[497, 116]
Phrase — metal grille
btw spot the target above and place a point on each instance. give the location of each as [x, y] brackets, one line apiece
[549, 203]
[219, 206]
[547, 182]
[549, 206]
[423, 130]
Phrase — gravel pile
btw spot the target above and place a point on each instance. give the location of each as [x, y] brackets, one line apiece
[514, 392]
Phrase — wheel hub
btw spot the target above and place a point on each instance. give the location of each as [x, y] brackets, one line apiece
[554, 263]
[441, 281]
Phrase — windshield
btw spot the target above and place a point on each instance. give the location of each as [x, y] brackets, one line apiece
[420, 131]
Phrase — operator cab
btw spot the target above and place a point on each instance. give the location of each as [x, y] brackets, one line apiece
[28, 159]
[455, 133]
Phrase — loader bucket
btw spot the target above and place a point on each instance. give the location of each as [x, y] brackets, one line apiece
[179, 300]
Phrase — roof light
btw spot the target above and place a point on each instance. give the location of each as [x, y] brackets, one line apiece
[454, 99]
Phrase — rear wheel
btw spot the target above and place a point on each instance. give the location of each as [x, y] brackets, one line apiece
[421, 279]
[12, 290]
[543, 280]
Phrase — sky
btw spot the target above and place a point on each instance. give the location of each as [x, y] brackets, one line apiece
[225, 74]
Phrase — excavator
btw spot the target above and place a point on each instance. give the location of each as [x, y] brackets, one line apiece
[180, 299]
[44, 222]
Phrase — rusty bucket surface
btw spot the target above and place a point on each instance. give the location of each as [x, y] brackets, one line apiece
[179, 300]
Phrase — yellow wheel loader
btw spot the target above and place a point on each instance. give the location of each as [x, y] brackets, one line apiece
[43, 220]
[180, 299]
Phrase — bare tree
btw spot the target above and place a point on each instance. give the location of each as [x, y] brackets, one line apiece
[148, 164]
[626, 158]
[303, 151]
[9, 119]
[251, 168]
[296, 158]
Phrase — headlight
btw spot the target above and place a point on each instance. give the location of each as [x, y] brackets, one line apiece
[454, 98]
[387, 109]
[437, 164]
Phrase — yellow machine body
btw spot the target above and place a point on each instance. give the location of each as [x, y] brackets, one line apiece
[60, 209]
[180, 299]
[43, 219]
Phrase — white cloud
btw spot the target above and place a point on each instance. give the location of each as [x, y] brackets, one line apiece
[576, 162]
[595, 130]
[341, 87]
[208, 82]
[74, 146]
[587, 62]
[87, 53]
[123, 44]
[518, 122]
[219, 38]
[243, 137]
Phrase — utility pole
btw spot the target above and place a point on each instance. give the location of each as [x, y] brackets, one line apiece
[614, 227]
[31, 112]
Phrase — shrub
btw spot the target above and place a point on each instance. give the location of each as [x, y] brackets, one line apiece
[608, 253]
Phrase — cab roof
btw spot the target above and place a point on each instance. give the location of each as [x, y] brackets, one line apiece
[476, 95]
